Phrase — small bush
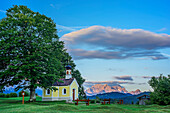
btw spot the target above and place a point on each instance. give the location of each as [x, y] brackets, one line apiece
[137, 102]
[2, 95]
[13, 95]
[147, 102]
[93, 101]
[7, 95]
[97, 101]
[26, 94]
[132, 102]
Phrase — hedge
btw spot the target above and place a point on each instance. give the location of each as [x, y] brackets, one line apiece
[13, 95]
[7, 95]
[2, 95]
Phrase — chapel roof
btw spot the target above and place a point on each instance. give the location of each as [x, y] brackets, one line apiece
[145, 96]
[64, 82]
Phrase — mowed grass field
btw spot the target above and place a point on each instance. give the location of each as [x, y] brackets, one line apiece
[14, 105]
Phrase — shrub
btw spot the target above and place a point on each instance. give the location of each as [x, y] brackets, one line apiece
[2, 95]
[26, 94]
[93, 101]
[137, 102]
[132, 102]
[7, 95]
[13, 95]
[97, 101]
[148, 102]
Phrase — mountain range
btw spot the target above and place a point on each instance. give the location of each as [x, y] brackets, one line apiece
[100, 89]
[126, 97]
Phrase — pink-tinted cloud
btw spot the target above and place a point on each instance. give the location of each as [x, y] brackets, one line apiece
[116, 43]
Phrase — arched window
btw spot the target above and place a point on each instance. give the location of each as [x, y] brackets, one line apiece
[64, 91]
[48, 92]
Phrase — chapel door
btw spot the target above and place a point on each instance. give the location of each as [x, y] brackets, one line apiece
[73, 94]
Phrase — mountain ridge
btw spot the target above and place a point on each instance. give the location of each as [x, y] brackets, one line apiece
[100, 89]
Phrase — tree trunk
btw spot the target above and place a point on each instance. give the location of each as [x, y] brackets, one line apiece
[32, 95]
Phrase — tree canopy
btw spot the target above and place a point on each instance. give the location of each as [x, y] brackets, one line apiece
[31, 54]
[161, 87]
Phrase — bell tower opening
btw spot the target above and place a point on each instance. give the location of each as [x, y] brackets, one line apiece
[68, 72]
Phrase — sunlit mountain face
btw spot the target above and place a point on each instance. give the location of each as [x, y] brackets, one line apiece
[99, 89]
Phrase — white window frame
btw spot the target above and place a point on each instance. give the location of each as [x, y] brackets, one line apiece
[63, 91]
[47, 91]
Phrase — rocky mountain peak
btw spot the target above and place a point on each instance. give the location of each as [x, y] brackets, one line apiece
[99, 88]
[136, 92]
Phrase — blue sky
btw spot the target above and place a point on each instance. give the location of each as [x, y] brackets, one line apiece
[116, 41]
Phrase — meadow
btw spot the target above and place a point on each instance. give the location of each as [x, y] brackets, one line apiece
[14, 105]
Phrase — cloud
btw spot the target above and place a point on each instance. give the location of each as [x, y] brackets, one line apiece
[66, 28]
[167, 55]
[52, 5]
[2, 11]
[102, 54]
[162, 29]
[147, 77]
[124, 77]
[111, 43]
[56, 6]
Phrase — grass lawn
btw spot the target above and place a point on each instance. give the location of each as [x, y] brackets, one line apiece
[14, 105]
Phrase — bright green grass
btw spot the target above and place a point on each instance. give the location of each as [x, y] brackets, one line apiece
[14, 105]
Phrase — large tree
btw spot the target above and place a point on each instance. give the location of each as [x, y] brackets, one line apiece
[161, 87]
[30, 51]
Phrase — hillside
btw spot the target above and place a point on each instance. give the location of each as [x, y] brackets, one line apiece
[132, 98]
[112, 95]
[126, 97]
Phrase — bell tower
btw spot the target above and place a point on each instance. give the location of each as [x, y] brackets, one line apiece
[68, 72]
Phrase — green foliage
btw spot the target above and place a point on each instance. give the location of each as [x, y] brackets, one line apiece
[137, 102]
[148, 102]
[132, 102]
[161, 87]
[7, 95]
[13, 95]
[97, 101]
[30, 50]
[97, 98]
[26, 94]
[93, 101]
[2, 95]
[82, 94]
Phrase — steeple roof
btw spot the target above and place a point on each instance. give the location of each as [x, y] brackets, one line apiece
[68, 67]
